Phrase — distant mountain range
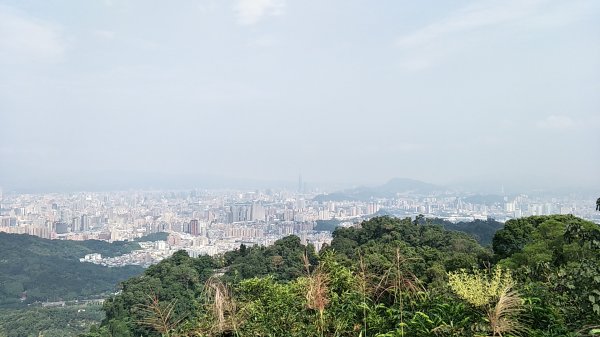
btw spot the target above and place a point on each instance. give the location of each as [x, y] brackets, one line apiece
[391, 189]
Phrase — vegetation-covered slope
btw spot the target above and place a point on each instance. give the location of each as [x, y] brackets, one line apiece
[392, 277]
[49, 270]
[282, 260]
[481, 230]
[49, 322]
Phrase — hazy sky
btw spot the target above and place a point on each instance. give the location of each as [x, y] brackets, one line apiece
[342, 91]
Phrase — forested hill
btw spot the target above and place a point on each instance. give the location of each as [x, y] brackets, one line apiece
[390, 277]
[49, 270]
[481, 230]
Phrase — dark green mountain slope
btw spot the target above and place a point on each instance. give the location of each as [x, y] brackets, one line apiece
[67, 321]
[49, 270]
[482, 230]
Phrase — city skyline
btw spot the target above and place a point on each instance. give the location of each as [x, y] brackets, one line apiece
[214, 222]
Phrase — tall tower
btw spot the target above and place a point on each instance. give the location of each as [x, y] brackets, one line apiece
[300, 184]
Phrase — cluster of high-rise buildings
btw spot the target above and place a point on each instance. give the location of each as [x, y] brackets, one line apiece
[214, 221]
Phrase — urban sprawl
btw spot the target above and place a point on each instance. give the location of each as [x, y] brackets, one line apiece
[213, 222]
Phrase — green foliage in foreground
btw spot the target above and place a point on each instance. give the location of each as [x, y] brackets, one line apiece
[388, 278]
[560, 252]
[49, 322]
[49, 270]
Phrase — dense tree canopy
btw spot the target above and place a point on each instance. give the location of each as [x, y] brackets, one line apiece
[282, 260]
[482, 230]
[429, 249]
[388, 277]
[563, 253]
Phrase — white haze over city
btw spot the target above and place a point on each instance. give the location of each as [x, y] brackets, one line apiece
[126, 92]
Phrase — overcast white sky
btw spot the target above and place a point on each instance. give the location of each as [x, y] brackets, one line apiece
[351, 91]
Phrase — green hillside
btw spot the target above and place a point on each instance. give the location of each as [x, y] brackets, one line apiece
[49, 270]
[391, 277]
[481, 230]
[68, 321]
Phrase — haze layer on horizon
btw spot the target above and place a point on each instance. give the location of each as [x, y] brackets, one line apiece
[339, 91]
